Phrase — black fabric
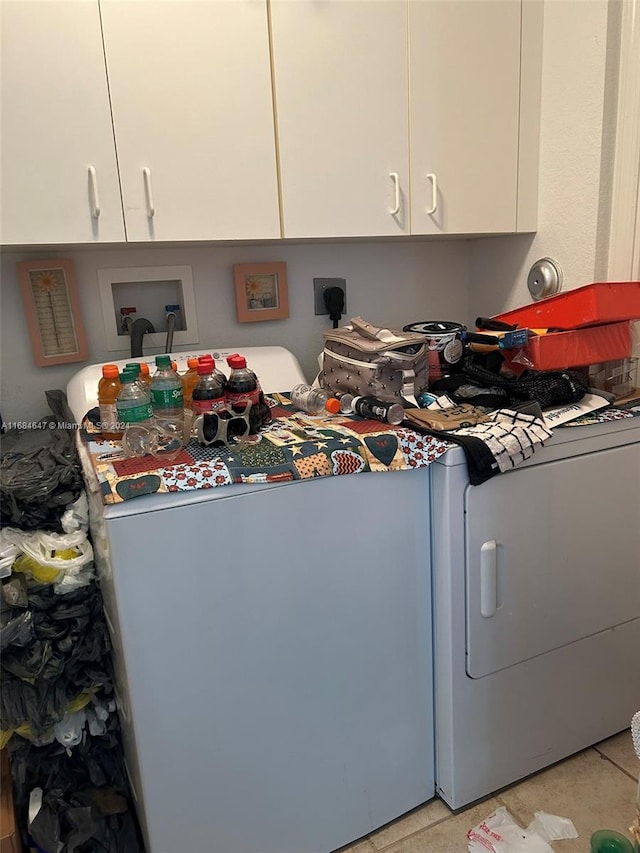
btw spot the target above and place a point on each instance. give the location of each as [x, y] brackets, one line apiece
[40, 472]
[480, 382]
[480, 461]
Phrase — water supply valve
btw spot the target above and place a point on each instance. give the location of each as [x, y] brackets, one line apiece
[175, 312]
[126, 322]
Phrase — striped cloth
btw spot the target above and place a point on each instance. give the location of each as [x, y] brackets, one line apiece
[495, 445]
[510, 436]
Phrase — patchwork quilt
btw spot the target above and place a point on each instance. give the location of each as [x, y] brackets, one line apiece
[294, 446]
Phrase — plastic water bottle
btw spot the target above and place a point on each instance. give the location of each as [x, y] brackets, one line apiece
[133, 367]
[308, 399]
[166, 396]
[135, 415]
[141, 369]
[133, 404]
[108, 390]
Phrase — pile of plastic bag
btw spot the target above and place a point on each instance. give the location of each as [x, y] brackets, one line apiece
[55, 654]
[57, 706]
[77, 800]
[40, 473]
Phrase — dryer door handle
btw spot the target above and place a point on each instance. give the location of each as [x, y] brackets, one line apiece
[489, 578]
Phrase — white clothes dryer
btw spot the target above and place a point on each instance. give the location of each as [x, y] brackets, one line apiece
[536, 590]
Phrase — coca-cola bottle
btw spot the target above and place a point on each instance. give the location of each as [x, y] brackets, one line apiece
[209, 394]
[242, 388]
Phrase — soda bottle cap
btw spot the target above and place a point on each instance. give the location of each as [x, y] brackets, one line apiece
[204, 367]
[110, 371]
[332, 405]
[163, 361]
[237, 362]
[192, 363]
[233, 355]
[133, 366]
[128, 375]
[144, 368]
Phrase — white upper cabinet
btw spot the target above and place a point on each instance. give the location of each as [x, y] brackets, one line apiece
[392, 117]
[59, 174]
[340, 79]
[358, 84]
[464, 84]
[193, 117]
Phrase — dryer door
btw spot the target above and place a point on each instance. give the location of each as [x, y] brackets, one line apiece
[550, 557]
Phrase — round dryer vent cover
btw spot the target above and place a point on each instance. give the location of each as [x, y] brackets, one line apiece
[544, 279]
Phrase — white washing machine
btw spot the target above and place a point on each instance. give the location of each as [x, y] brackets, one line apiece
[273, 650]
[536, 591]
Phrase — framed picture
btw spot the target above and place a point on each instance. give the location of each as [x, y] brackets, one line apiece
[261, 292]
[52, 310]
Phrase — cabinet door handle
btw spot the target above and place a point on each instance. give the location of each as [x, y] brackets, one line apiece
[489, 578]
[148, 191]
[434, 193]
[95, 198]
[396, 182]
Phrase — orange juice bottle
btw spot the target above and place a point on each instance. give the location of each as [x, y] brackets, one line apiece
[108, 390]
[145, 376]
[189, 381]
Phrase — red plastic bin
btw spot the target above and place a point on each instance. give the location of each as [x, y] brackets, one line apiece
[592, 304]
[575, 348]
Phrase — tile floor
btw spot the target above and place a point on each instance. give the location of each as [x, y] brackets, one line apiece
[595, 788]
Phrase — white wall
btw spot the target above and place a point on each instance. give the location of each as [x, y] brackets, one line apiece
[575, 145]
[393, 282]
[390, 283]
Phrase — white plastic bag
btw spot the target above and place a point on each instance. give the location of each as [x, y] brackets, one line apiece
[8, 552]
[76, 516]
[41, 547]
[551, 827]
[64, 559]
[499, 833]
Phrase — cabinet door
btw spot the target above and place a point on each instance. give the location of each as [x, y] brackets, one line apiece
[59, 172]
[193, 116]
[464, 110]
[340, 77]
